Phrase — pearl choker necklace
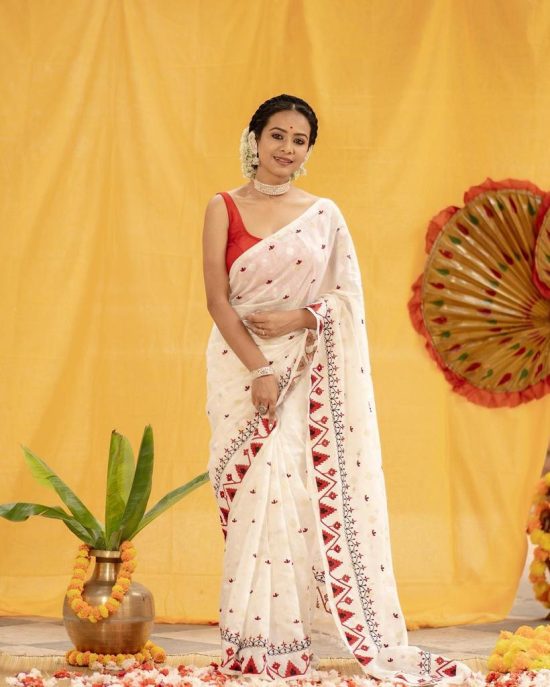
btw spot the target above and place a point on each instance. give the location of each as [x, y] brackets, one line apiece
[271, 189]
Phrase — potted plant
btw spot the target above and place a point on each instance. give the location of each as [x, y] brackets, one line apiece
[108, 614]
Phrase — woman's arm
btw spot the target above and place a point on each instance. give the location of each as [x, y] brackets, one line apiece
[264, 390]
[216, 284]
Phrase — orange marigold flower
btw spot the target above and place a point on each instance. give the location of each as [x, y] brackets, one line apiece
[540, 554]
[119, 596]
[76, 584]
[77, 604]
[84, 612]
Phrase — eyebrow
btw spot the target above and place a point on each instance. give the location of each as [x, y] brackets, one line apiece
[284, 130]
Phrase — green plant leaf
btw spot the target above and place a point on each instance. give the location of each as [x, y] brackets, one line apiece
[120, 472]
[170, 499]
[141, 487]
[45, 475]
[18, 512]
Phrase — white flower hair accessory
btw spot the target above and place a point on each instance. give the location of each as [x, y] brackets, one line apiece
[250, 160]
[249, 157]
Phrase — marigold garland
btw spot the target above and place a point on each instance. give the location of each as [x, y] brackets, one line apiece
[527, 648]
[150, 652]
[123, 581]
[538, 527]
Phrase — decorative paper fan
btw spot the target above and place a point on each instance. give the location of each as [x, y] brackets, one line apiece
[486, 323]
[541, 267]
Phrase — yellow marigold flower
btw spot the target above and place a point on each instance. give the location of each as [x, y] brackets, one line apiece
[123, 583]
[546, 479]
[80, 659]
[81, 563]
[77, 604]
[71, 593]
[95, 612]
[79, 573]
[104, 611]
[110, 605]
[508, 659]
[139, 657]
[76, 584]
[117, 588]
[536, 536]
[495, 662]
[537, 568]
[119, 658]
[112, 602]
[92, 658]
[501, 647]
[124, 579]
[128, 567]
[545, 541]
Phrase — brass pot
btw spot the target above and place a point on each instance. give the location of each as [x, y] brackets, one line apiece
[124, 632]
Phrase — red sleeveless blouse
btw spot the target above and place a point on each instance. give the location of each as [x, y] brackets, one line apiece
[238, 238]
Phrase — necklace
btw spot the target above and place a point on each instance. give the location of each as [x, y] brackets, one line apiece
[271, 189]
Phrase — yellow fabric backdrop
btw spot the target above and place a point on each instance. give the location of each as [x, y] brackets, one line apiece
[119, 119]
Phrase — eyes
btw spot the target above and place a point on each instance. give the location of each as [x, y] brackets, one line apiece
[298, 141]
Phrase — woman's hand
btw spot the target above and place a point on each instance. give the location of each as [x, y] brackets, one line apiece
[270, 323]
[265, 392]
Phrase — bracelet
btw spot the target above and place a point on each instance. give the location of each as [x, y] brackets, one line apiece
[262, 371]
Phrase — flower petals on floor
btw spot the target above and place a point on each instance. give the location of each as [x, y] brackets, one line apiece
[192, 676]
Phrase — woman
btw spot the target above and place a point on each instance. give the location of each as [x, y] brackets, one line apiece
[294, 455]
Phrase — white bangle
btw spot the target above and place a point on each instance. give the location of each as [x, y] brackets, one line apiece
[262, 371]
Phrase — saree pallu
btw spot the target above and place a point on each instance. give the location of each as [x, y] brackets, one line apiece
[303, 506]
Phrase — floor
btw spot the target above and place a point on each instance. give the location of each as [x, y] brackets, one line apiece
[35, 636]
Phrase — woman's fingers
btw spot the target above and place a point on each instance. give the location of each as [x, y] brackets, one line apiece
[264, 396]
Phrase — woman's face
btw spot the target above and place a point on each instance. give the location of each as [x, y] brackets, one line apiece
[283, 145]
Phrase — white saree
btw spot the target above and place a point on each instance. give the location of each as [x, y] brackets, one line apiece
[303, 506]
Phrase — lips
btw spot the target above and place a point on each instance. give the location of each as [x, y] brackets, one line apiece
[283, 161]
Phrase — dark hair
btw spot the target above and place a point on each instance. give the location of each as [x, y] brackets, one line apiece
[278, 104]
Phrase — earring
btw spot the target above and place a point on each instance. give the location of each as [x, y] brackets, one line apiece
[254, 148]
[302, 171]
